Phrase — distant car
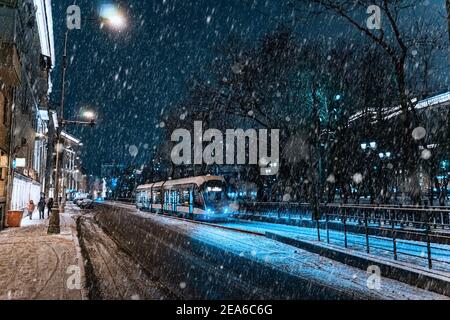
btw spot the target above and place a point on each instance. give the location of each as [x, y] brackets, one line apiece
[78, 201]
[86, 204]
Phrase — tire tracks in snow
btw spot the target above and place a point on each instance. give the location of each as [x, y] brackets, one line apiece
[111, 272]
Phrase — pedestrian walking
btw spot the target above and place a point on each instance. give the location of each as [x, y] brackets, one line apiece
[41, 208]
[49, 207]
[30, 208]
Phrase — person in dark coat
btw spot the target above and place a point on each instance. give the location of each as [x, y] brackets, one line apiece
[49, 207]
[41, 207]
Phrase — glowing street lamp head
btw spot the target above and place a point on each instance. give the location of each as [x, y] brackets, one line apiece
[117, 21]
[112, 16]
[90, 115]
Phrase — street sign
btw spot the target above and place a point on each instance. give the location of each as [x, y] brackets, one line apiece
[20, 163]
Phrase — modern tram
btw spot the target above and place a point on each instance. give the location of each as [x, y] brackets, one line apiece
[202, 198]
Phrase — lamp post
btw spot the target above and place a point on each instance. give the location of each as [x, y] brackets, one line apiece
[54, 225]
[58, 205]
[117, 20]
[368, 148]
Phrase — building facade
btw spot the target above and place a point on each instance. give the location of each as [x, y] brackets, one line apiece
[73, 175]
[26, 60]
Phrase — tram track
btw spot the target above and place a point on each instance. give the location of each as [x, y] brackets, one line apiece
[214, 225]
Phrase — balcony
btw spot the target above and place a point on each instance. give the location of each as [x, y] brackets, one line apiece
[9, 3]
[10, 70]
[7, 23]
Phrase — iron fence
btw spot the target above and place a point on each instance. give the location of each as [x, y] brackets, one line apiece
[377, 224]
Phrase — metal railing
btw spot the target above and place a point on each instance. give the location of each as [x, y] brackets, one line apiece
[407, 228]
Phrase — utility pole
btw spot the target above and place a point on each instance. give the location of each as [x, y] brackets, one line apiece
[54, 223]
[50, 151]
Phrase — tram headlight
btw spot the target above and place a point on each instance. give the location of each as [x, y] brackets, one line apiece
[233, 207]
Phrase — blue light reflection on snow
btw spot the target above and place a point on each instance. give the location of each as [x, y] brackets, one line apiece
[410, 251]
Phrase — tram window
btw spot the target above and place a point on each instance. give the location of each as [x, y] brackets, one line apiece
[180, 196]
[214, 191]
[141, 197]
[184, 198]
[176, 194]
[157, 197]
[198, 199]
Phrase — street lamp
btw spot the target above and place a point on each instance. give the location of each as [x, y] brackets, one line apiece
[117, 20]
[385, 155]
[112, 16]
[372, 145]
[89, 119]
[89, 115]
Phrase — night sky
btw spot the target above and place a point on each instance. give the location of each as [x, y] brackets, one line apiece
[131, 78]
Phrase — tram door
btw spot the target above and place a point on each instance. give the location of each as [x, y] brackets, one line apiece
[167, 202]
[149, 200]
[191, 203]
[174, 201]
[170, 201]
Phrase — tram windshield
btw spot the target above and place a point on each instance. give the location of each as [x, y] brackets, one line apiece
[214, 191]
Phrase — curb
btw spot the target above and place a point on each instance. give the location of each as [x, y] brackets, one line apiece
[80, 258]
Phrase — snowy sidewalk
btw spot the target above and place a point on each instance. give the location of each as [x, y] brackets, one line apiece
[34, 265]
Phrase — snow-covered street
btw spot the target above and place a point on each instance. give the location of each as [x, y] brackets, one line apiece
[38, 266]
[112, 273]
[225, 150]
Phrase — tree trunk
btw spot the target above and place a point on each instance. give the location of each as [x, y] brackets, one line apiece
[408, 154]
[315, 156]
[447, 2]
